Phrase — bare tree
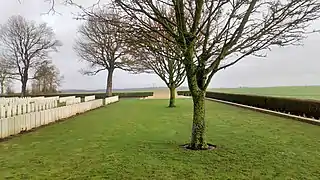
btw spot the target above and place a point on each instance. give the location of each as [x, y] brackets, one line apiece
[214, 35]
[161, 57]
[101, 44]
[47, 79]
[9, 89]
[5, 81]
[25, 46]
[5, 76]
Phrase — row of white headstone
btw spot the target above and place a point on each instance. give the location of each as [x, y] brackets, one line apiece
[69, 100]
[15, 106]
[16, 100]
[25, 122]
[11, 107]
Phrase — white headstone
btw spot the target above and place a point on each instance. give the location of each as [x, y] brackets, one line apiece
[19, 109]
[9, 109]
[2, 112]
[14, 109]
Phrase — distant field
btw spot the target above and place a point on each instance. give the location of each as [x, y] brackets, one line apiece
[301, 92]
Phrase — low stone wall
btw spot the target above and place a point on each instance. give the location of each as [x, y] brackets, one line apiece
[14, 125]
[110, 100]
[89, 98]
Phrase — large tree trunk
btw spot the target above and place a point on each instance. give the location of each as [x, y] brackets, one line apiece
[196, 81]
[2, 87]
[24, 81]
[172, 101]
[109, 82]
[39, 86]
[23, 88]
[198, 140]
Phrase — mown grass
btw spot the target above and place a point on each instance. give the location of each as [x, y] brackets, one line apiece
[301, 92]
[139, 139]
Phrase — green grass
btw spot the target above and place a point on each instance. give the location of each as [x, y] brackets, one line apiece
[138, 139]
[301, 92]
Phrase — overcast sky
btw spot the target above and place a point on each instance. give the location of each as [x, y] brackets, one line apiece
[283, 66]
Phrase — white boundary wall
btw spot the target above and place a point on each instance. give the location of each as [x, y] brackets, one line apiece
[25, 122]
[110, 100]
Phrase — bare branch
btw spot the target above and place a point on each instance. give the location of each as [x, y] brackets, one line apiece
[160, 56]
[209, 32]
[101, 43]
[91, 72]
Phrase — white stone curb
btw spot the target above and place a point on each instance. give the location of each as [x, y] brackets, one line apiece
[298, 118]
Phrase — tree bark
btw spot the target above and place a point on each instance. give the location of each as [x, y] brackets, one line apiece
[2, 87]
[198, 140]
[195, 83]
[109, 82]
[23, 88]
[24, 81]
[172, 101]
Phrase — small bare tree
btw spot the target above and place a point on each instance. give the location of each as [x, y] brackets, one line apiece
[161, 57]
[25, 46]
[5, 76]
[47, 79]
[214, 35]
[9, 90]
[5, 81]
[101, 44]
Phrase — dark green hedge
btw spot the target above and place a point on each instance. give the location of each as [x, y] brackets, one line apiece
[98, 95]
[299, 107]
[133, 94]
[184, 93]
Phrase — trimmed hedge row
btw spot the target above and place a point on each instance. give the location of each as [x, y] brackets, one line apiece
[98, 95]
[133, 94]
[184, 93]
[299, 107]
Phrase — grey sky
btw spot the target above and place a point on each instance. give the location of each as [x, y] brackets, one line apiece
[283, 66]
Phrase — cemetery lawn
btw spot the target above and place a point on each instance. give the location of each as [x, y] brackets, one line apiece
[139, 139]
